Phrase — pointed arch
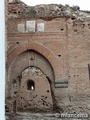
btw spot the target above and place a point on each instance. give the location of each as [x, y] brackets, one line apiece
[37, 47]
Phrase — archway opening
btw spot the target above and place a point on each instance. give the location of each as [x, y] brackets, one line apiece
[35, 84]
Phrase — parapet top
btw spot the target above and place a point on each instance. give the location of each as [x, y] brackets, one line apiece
[18, 9]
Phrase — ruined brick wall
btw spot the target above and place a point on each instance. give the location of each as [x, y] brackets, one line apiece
[63, 41]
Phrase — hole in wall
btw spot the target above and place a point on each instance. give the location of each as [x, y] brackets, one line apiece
[47, 91]
[42, 96]
[46, 104]
[62, 29]
[15, 92]
[15, 12]
[73, 18]
[59, 55]
[17, 42]
[32, 59]
[83, 25]
[89, 24]
[18, 11]
[43, 103]
[75, 30]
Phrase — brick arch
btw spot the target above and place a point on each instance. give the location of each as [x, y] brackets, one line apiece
[37, 47]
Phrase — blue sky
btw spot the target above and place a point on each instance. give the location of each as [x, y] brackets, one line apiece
[83, 4]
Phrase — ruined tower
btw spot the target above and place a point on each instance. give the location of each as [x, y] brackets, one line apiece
[47, 58]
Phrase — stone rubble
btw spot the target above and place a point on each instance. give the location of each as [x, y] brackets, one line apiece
[47, 11]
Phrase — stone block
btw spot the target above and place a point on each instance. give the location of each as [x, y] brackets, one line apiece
[61, 85]
[30, 26]
[61, 81]
[40, 27]
[21, 28]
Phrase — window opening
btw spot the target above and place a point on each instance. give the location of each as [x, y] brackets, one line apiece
[30, 85]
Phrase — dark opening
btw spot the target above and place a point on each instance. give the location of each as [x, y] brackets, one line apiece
[73, 18]
[59, 55]
[15, 12]
[30, 85]
[89, 70]
[47, 91]
[18, 11]
[62, 29]
[75, 30]
[17, 42]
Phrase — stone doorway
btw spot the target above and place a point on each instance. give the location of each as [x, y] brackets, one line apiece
[34, 92]
[31, 83]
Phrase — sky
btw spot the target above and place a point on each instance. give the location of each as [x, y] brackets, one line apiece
[83, 4]
[2, 61]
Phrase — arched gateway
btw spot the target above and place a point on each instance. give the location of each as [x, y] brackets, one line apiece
[31, 82]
